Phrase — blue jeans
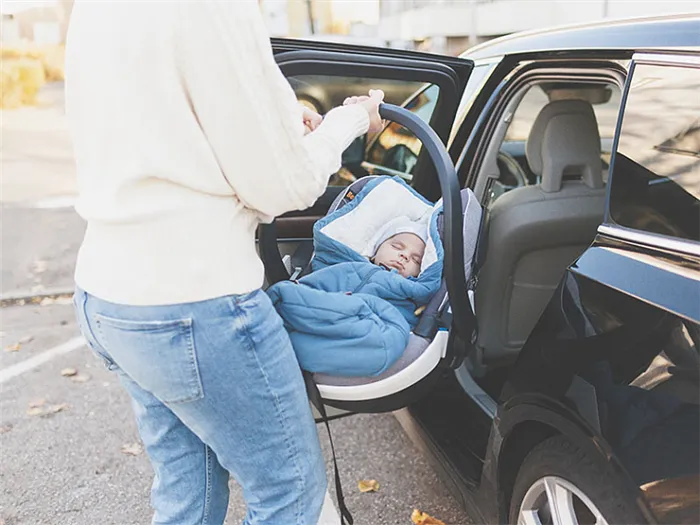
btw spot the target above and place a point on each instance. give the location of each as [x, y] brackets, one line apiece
[216, 389]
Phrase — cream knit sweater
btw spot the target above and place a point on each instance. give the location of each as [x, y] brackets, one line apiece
[186, 136]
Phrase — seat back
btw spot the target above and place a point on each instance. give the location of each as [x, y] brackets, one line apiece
[535, 232]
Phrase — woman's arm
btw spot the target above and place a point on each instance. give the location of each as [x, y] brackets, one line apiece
[249, 112]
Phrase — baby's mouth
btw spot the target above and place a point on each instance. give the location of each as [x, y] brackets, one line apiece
[397, 266]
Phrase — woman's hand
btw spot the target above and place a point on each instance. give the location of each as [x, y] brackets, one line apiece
[311, 119]
[371, 104]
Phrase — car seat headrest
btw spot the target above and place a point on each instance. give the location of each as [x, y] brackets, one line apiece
[564, 141]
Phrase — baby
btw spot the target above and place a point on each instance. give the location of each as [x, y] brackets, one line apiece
[401, 246]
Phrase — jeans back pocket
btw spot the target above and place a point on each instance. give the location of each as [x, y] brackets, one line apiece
[159, 355]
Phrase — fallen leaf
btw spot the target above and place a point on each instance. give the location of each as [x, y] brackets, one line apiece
[80, 378]
[62, 300]
[132, 449]
[55, 409]
[13, 348]
[368, 485]
[421, 518]
[38, 408]
[26, 339]
[5, 429]
[47, 301]
[69, 372]
[37, 403]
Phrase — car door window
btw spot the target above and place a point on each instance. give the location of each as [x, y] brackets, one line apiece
[655, 183]
[394, 150]
[324, 92]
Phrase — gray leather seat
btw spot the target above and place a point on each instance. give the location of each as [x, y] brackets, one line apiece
[535, 232]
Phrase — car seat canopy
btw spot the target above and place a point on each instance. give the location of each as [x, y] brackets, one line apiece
[359, 224]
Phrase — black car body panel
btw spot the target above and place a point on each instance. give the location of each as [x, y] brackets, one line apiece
[624, 363]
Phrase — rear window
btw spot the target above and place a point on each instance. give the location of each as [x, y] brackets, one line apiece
[656, 174]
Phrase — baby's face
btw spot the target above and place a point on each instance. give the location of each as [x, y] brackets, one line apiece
[402, 252]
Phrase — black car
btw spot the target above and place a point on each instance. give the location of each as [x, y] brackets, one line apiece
[571, 392]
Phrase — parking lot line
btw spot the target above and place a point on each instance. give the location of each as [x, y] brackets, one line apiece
[28, 364]
[329, 515]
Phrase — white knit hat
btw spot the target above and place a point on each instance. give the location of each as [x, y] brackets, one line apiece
[398, 225]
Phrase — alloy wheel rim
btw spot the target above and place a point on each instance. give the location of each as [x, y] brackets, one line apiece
[555, 501]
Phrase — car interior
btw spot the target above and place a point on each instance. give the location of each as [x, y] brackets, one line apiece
[542, 183]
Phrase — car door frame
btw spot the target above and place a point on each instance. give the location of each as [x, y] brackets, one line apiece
[468, 146]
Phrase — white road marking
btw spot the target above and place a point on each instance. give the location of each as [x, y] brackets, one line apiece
[28, 364]
[329, 516]
[57, 202]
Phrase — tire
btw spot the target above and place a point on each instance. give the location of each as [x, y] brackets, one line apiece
[558, 465]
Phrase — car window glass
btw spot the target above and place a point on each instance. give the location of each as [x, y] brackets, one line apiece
[513, 166]
[393, 151]
[656, 176]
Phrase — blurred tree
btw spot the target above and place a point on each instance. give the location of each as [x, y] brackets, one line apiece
[310, 12]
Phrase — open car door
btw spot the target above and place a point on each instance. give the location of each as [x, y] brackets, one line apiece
[324, 74]
[429, 88]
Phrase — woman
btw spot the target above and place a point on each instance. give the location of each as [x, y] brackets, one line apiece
[187, 136]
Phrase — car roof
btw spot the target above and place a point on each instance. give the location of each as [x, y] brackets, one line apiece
[661, 32]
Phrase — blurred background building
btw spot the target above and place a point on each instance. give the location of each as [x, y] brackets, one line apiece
[445, 26]
[451, 26]
[441, 26]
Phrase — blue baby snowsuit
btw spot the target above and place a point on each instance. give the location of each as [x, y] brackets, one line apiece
[350, 317]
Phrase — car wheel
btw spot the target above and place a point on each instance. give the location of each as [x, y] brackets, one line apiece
[559, 484]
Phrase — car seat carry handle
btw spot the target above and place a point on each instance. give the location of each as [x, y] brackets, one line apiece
[453, 240]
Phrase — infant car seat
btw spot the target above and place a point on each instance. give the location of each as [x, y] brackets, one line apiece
[446, 328]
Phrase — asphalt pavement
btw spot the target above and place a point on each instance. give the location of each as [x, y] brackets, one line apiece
[69, 449]
[67, 445]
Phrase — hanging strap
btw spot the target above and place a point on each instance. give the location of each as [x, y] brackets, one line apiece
[315, 398]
